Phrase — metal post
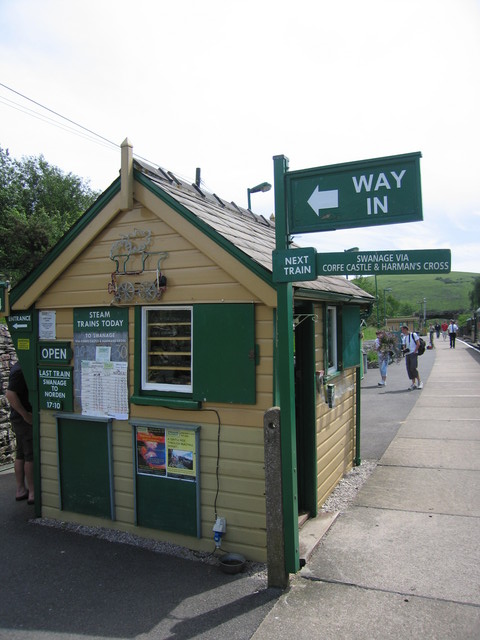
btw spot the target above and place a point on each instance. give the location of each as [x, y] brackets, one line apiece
[358, 378]
[285, 379]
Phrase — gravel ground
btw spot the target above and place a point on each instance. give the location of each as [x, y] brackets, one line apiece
[112, 535]
[339, 500]
[345, 492]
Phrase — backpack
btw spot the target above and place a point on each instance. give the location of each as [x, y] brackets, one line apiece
[421, 346]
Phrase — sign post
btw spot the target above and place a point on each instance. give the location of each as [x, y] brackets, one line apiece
[286, 381]
[357, 194]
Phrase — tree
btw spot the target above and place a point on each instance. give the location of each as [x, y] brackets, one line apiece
[475, 294]
[38, 204]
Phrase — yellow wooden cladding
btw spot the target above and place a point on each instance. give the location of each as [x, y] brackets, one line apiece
[335, 428]
[192, 276]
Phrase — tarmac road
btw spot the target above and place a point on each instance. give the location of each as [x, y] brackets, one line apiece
[384, 409]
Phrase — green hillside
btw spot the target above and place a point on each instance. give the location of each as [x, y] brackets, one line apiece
[446, 294]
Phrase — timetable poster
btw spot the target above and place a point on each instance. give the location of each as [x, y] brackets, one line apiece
[100, 340]
[104, 389]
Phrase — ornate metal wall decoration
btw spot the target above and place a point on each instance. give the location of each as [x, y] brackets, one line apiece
[131, 256]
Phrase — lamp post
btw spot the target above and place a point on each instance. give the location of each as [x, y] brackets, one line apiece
[351, 250]
[262, 187]
[385, 305]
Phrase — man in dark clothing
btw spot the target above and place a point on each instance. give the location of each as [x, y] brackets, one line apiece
[21, 419]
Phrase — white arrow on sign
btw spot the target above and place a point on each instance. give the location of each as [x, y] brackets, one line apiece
[20, 326]
[323, 200]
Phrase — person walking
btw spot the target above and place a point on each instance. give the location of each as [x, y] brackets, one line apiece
[444, 329]
[410, 344]
[431, 332]
[383, 356]
[21, 419]
[452, 333]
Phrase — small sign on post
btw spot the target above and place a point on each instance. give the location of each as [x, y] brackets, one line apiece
[396, 262]
[294, 265]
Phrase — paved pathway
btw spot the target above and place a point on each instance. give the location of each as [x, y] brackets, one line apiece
[404, 561]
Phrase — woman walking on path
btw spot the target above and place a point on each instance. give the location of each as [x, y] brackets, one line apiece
[382, 359]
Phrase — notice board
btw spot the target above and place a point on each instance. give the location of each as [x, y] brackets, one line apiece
[166, 478]
[100, 338]
[85, 465]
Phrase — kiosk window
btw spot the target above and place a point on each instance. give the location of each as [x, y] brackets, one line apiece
[167, 349]
[205, 352]
[332, 345]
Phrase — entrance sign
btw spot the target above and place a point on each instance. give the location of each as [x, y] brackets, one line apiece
[294, 265]
[398, 262]
[354, 194]
[20, 322]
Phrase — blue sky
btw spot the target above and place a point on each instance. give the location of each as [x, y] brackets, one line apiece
[225, 86]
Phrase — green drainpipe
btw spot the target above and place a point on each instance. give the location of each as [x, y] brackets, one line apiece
[357, 421]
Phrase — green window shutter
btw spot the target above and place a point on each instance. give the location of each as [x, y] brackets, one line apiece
[351, 336]
[224, 353]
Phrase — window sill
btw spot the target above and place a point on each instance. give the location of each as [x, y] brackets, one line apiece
[169, 403]
[332, 376]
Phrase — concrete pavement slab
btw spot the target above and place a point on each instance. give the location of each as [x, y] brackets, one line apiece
[437, 389]
[426, 452]
[464, 400]
[446, 491]
[430, 555]
[442, 429]
[430, 413]
[313, 609]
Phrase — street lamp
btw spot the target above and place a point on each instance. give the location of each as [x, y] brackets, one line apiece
[262, 187]
[351, 250]
[385, 306]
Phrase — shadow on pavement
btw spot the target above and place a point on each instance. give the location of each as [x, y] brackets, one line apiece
[63, 583]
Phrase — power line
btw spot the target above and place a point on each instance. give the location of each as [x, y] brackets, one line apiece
[97, 138]
[43, 118]
[59, 115]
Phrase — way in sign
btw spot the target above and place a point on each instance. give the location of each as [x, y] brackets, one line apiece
[320, 200]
